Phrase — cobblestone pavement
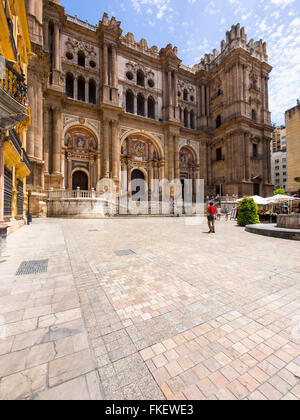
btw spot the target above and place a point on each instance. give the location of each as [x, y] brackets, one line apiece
[185, 315]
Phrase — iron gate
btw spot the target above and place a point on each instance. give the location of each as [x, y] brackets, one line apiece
[7, 191]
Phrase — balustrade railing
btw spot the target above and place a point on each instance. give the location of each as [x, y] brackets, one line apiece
[13, 82]
[26, 159]
[14, 138]
[60, 194]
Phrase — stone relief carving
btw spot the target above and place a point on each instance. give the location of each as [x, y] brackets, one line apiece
[185, 85]
[134, 67]
[74, 46]
[70, 119]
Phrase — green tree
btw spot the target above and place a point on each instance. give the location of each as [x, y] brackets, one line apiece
[248, 213]
[279, 191]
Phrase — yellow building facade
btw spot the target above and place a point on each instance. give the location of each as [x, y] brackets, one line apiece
[292, 118]
[15, 50]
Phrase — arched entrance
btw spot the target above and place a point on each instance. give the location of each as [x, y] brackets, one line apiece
[188, 171]
[81, 155]
[141, 158]
[137, 187]
[81, 180]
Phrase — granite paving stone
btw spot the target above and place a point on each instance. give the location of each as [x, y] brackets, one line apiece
[187, 316]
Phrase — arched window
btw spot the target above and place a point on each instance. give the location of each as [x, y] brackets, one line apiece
[140, 105]
[81, 59]
[70, 85]
[140, 78]
[81, 89]
[129, 102]
[185, 95]
[151, 108]
[92, 91]
[186, 118]
[218, 121]
[192, 118]
[253, 115]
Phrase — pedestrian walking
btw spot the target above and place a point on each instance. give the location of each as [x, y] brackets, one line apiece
[211, 217]
[226, 214]
[219, 213]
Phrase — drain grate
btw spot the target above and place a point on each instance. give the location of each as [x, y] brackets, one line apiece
[124, 252]
[32, 267]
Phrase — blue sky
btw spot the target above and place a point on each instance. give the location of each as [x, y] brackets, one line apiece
[197, 27]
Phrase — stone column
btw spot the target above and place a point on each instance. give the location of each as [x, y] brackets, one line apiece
[247, 157]
[98, 170]
[228, 166]
[269, 161]
[265, 160]
[176, 89]
[38, 148]
[92, 173]
[162, 171]
[114, 68]
[203, 161]
[135, 104]
[202, 100]
[171, 157]
[69, 182]
[46, 139]
[30, 135]
[242, 156]
[177, 168]
[106, 149]
[170, 87]
[76, 87]
[207, 100]
[56, 141]
[146, 108]
[31, 7]
[209, 165]
[166, 151]
[87, 91]
[115, 150]
[56, 47]
[266, 94]
[46, 35]
[105, 64]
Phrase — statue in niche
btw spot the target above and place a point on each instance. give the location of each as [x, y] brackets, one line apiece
[183, 158]
[124, 149]
[68, 140]
[80, 143]
[139, 148]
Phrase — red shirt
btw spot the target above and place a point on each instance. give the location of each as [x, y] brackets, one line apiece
[211, 210]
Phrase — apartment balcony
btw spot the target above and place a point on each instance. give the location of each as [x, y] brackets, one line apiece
[13, 96]
[16, 156]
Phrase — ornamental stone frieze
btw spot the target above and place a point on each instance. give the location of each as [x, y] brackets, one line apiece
[69, 120]
[74, 46]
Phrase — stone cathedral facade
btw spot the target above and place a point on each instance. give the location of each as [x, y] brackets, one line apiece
[102, 103]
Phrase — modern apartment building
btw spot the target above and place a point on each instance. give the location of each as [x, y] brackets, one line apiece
[279, 170]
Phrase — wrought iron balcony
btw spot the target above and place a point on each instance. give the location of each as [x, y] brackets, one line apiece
[26, 159]
[14, 138]
[13, 82]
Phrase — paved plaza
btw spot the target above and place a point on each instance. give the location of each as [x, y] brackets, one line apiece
[149, 308]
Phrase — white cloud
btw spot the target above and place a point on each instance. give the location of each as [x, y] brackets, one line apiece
[282, 3]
